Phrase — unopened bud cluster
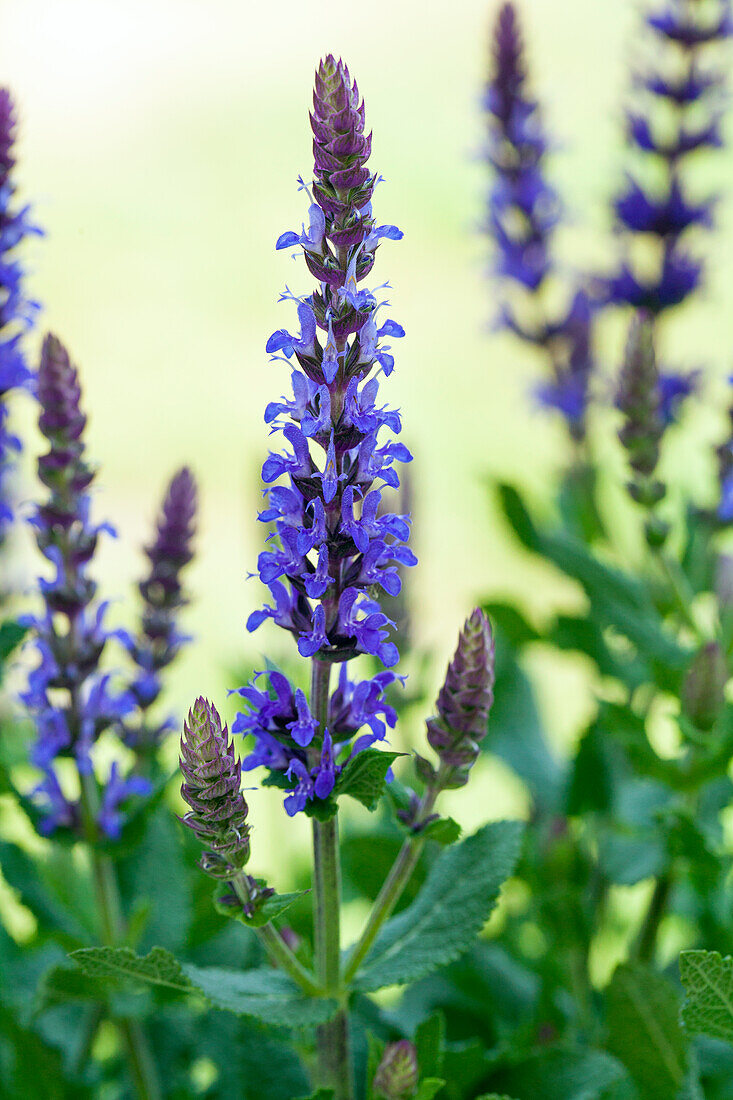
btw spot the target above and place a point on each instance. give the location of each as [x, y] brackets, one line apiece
[464, 702]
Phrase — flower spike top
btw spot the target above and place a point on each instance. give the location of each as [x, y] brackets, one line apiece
[71, 701]
[17, 312]
[523, 211]
[334, 545]
[464, 702]
[159, 640]
[684, 32]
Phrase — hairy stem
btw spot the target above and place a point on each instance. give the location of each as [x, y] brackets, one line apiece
[333, 1043]
[393, 886]
[139, 1059]
[276, 946]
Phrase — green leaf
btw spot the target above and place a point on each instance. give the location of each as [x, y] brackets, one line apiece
[264, 994]
[458, 895]
[365, 776]
[708, 981]
[66, 984]
[644, 1031]
[429, 1043]
[512, 624]
[11, 635]
[445, 830]
[322, 1094]
[562, 1073]
[270, 908]
[494, 1096]
[429, 1088]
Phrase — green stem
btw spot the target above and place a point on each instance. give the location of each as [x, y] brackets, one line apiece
[332, 1040]
[393, 886]
[139, 1059]
[647, 941]
[276, 946]
[682, 598]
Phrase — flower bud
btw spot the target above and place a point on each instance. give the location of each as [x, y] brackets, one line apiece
[212, 781]
[397, 1075]
[639, 400]
[703, 692]
[464, 701]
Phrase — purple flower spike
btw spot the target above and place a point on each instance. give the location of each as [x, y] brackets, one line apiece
[71, 701]
[523, 211]
[685, 32]
[464, 702]
[159, 640]
[17, 312]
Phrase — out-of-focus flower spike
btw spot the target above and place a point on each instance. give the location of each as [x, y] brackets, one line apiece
[397, 1074]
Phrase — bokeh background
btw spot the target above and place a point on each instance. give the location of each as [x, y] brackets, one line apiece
[160, 142]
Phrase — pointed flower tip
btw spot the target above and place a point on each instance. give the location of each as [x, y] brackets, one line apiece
[465, 699]
[397, 1074]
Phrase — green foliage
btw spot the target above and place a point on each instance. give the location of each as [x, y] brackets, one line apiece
[708, 981]
[364, 777]
[645, 1033]
[562, 1073]
[264, 994]
[458, 895]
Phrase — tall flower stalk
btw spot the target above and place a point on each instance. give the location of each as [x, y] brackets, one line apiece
[333, 546]
[159, 639]
[523, 212]
[677, 112]
[17, 311]
[71, 700]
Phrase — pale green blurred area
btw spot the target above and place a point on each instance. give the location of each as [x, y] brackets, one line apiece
[160, 142]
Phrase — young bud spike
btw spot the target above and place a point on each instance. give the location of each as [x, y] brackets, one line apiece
[464, 700]
[397, 1074]
[212, 781]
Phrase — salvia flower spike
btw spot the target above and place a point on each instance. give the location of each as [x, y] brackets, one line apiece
[70, 699]
[334, 544]
[397, 1074]
[523, 212]
[212, 780]
[17, 312]
[684, 32]
[159, 639]
[464, 702]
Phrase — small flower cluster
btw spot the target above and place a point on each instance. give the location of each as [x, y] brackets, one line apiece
[159, 639]
[692, 93]
[333, 543]
[16, 310]
[284, 729]
[71, 700]
[523, 211]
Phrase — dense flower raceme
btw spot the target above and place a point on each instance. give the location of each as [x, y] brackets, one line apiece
[69, 698]
[692, 93]
[523, 211]
[159, 639]
[333, 544]
[16, 310]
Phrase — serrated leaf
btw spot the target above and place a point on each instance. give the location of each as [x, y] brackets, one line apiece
[270, 908]
[708, 980]
[66, 984]
[364, 777]
[455, 901]
[644, 1031]
[264, 994]
[445, 831]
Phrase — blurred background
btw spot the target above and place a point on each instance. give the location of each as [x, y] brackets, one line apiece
[160, 142]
